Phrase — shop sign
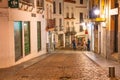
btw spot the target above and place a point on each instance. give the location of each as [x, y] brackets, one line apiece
[114, 11]
[13, 3]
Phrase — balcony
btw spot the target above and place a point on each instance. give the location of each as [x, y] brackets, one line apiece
[50, 25]
[26, 5]
[70, 32]
[27, 2]
[40, 6]
[70, 1]
[69, 18]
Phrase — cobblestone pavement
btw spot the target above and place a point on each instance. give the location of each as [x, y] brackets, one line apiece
[61, 66]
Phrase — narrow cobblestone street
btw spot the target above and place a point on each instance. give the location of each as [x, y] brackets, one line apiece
[71, 65]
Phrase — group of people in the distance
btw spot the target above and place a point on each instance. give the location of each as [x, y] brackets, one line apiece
[85, 44]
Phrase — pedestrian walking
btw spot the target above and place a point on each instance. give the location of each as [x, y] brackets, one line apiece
[88, 45]
[84, 45]
[74, 44]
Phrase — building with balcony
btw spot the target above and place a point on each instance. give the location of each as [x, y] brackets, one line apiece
[50, 25]
[68, 16]
[75, 15]
[22, 31]
[59, 23]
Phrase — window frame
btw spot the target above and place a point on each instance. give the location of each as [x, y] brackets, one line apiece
[60, 8]
[39, 36]
[81, 1]
[54, 7]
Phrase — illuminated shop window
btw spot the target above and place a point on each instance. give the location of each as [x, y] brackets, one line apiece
[27, 37]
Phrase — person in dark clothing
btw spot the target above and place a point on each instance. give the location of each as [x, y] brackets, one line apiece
[74, 44]
[88, 45]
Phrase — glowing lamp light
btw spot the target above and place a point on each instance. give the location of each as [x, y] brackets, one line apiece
[97, 11]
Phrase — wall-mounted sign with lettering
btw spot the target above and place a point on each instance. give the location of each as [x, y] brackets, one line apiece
[13, 3]
[114, 11]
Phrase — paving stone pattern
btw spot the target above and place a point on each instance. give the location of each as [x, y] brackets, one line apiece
[62, 66]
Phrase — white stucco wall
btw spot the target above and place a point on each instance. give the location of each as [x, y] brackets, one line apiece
[7, 50]
[4, 3]
[5, 55]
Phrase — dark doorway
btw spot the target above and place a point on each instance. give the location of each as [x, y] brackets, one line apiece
[116, 34]
[116, 29]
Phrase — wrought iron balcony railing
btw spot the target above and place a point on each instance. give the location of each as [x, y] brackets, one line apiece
[27, 2]
[26, 5]
[70, 32]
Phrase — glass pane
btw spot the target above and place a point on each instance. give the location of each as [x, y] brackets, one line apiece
[27, 38]
[39, 35]
[18, 40]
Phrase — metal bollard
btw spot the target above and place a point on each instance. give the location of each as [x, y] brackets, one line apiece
[111, 72]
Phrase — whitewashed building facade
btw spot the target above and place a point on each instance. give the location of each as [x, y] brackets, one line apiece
[22, 31]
